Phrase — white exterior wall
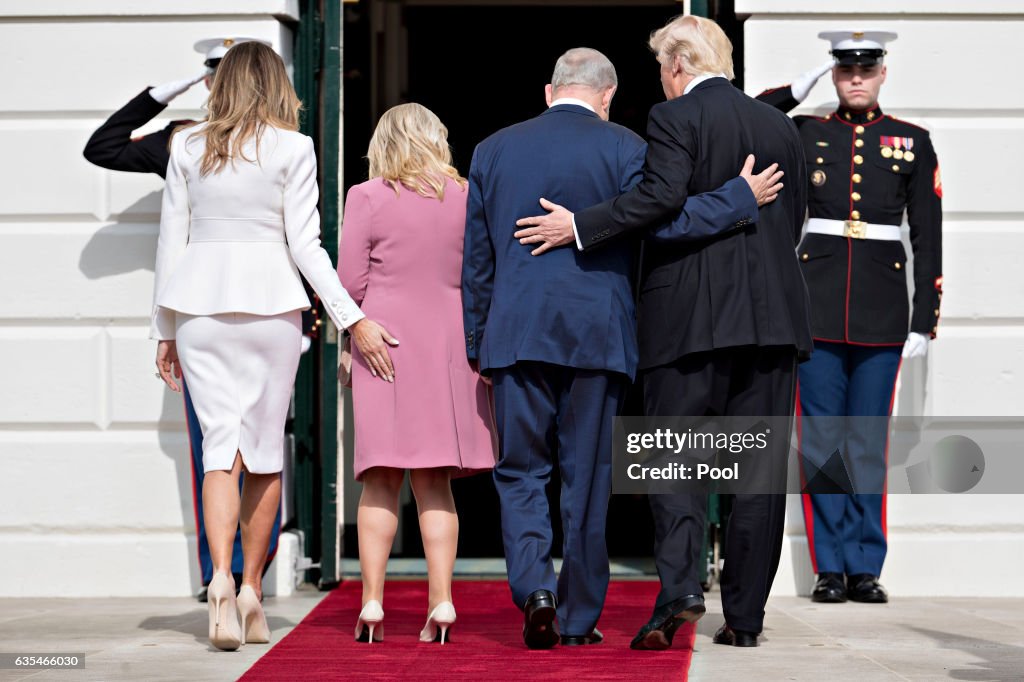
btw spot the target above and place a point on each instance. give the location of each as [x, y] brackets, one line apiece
[95, 482]
[953, 70]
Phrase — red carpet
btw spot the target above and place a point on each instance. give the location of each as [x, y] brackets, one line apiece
[486, 642]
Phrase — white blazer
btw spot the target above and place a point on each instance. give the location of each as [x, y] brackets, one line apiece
[236, 240]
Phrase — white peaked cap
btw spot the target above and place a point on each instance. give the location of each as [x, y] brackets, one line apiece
[216, 48]
[858, 39]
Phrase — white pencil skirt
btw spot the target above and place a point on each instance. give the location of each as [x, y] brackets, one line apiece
[240, 371]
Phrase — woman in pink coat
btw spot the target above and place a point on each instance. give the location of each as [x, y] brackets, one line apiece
[419, 404]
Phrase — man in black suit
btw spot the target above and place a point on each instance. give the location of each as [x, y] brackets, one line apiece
[722, 321]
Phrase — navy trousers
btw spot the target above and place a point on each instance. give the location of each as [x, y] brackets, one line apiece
[846, 532]
[195, 437]
[540, 409]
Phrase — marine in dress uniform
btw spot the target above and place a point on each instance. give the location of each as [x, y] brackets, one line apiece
[113, 147]
[865, 169]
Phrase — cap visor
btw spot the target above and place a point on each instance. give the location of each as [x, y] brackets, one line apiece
[859, 60]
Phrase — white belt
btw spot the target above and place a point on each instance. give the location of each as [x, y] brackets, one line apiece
[857, 229]
[236, 230]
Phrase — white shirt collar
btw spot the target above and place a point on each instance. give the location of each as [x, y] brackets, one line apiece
[572, 100]
[700, 79]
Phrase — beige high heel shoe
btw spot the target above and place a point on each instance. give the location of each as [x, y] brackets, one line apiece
[438, 622]
[225, 633]
[370, 618]
[254, 621]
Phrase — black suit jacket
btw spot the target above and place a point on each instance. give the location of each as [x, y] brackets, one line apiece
[743, 288]
[113, 147]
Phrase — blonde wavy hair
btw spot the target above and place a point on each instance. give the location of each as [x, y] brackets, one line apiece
[410, 147]
[250, 91]
[701, 45]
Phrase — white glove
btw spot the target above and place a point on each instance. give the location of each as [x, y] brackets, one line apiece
[168, 91]
[916, 346]
[803, 83]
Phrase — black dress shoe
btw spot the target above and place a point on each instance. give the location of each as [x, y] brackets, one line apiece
[539, 630]
[657, 634]
[830, 589]
[864, 587]
[202, 595]
[726, 635]
[594, 637]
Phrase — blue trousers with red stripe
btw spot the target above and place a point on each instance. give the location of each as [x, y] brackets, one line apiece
[846, 532]
[195, 437]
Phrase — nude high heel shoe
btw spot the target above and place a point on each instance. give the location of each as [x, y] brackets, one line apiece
[225, 633]
[254, 621]
[370, 618]
[438, 622]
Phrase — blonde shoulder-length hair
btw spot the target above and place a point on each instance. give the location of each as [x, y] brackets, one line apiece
[410, 147]
[250, 91]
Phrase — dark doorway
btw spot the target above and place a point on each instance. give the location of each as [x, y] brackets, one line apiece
[481, 68]
[486, 79]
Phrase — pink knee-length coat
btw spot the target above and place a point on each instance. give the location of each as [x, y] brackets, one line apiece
[401, 261]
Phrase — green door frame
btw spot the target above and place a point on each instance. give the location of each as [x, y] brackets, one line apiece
[317, 76]
[330, 162]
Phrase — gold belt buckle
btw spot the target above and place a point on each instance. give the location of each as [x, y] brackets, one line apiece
[857, 229]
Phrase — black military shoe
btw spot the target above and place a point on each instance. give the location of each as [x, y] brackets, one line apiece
[830, 589]
[539, 630]
[594, 637]
[726, 635]
[657, 634]
[865, 588]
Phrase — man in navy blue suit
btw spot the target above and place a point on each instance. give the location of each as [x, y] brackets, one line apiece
[557, 335]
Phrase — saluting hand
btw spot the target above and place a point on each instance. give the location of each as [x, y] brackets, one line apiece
[373, 340]
[765, 185]
[166, 92]
[550, 231]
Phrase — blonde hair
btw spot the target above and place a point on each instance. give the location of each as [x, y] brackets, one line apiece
[410, 147]
[250, 91]
[701, 45]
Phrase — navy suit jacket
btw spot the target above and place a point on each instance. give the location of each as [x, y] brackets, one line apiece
[565, 307]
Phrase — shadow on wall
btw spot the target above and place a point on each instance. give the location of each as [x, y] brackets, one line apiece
[127, 245]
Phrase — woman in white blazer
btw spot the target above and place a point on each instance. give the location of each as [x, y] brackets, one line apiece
[239, 223]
